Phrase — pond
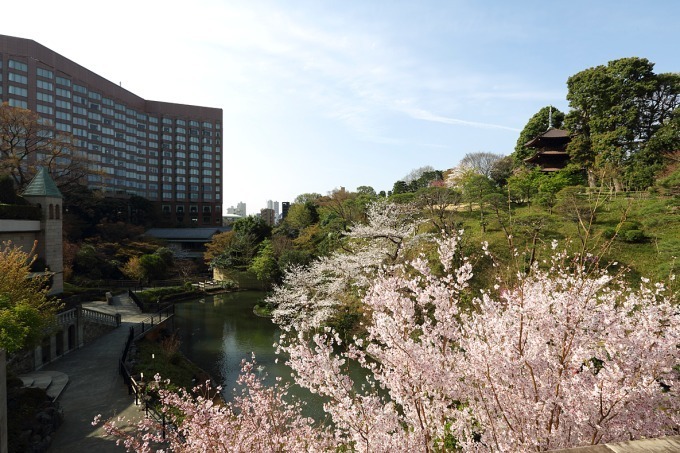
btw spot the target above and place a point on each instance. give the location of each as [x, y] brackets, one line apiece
[221, 330]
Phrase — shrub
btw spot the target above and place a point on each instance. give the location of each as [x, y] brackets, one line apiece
[634, 236]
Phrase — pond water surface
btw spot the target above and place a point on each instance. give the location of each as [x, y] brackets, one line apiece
[221, 330]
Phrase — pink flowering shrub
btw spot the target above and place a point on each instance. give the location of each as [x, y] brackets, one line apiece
[258, 420]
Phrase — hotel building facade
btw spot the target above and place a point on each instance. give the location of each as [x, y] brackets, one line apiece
[170, 154]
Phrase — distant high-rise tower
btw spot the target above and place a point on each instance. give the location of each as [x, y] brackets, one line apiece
[241, 209]
[274, 206]
[268, 216]
[284, 209]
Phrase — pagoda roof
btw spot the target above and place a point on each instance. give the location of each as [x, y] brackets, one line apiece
[550, 134]
[42, 185]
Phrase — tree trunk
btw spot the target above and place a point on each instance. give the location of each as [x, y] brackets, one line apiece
[592, 180]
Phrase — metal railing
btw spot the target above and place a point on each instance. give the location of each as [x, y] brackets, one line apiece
[138, 387]
[135, 298]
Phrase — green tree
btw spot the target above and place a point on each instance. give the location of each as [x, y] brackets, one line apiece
[154, 266]
[265, 265]
[537, 124]
[253, 226]
[616, 110]
[300, 216]
[25, 310]
[400, 187]
[523, 184]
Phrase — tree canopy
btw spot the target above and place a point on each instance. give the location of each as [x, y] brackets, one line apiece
[617, 109]
[539, 123]
[25, 310]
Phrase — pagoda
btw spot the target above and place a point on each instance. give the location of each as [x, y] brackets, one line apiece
[551, 150]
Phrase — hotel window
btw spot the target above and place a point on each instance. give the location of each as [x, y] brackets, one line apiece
[153, 119]
[45, 85]
[63, 104]
[18, 78]
[47, 110]
[19, 66]
[63, 127]
[94, 95]
[107, 101]
[63, 116]
[63, 81]
[167, 121]
[181, 122]
[79, 89]
[18, 91]
[45, 73]
[207, 125]
[44, 97]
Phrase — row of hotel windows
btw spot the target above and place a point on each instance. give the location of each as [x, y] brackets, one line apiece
[166, 208]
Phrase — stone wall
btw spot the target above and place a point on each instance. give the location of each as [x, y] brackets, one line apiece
[92, 331]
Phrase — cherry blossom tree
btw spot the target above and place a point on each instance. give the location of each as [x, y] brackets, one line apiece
[311, 294]
[564, 356]
[258, 420]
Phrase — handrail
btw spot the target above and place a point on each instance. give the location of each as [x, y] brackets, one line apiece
[139, 388]
[67, 316]
[71, 315]
[135, 298]
[101, 318]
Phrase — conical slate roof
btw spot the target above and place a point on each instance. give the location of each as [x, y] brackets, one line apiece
[42, 186]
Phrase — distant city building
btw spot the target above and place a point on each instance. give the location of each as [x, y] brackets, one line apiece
[170, 154]
[274, 205]
[239, 210]
[285, 206]
[268, 216]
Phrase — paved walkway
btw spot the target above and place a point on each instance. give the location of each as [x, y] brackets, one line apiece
[94, 386]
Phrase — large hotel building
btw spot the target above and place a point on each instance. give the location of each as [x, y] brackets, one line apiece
[170, 154]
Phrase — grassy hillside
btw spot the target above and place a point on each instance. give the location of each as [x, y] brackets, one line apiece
[640, 232]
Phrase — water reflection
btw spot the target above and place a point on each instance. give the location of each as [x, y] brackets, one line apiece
[220, 331]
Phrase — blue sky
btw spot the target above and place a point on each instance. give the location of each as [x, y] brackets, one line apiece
[323, 94]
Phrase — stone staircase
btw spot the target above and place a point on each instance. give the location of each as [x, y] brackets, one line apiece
[53, 382]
